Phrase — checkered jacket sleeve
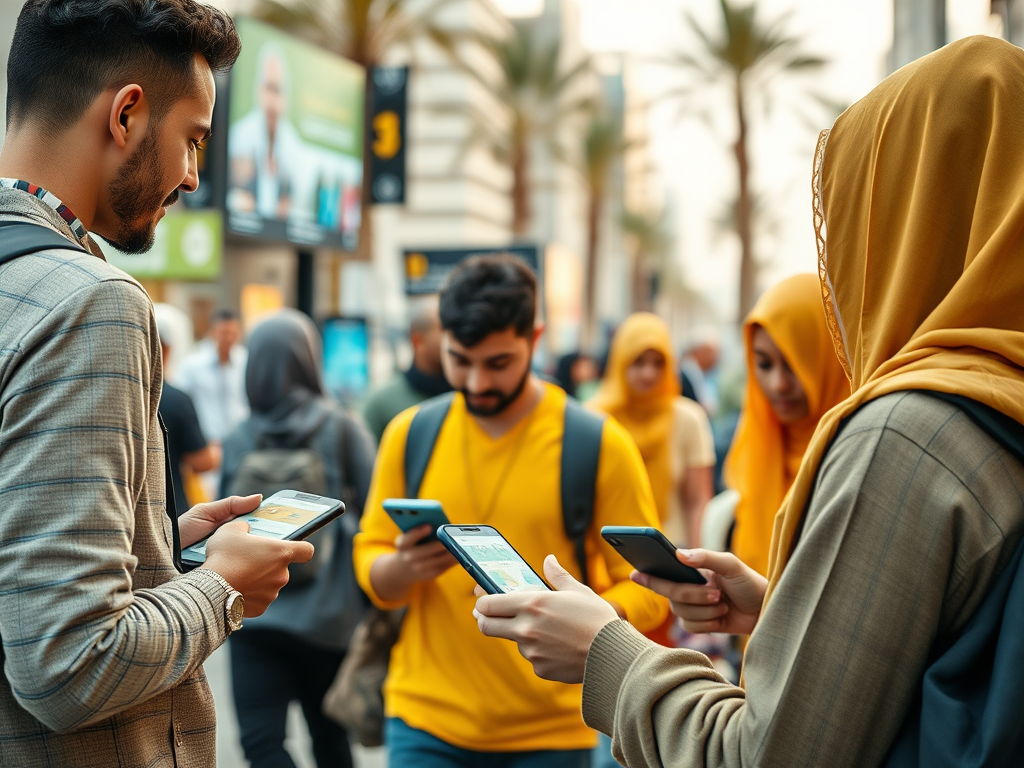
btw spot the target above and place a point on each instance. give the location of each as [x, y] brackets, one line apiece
[93, 617]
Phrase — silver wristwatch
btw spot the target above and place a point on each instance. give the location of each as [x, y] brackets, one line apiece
[234, 606]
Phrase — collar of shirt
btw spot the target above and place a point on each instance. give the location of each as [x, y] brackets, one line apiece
[51, 200]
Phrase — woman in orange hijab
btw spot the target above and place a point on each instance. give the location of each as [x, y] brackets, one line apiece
[641, 392]
[793, 379]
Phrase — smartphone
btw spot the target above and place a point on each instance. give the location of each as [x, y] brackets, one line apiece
[410, 513]
[647, 550]
[490, 559]
[287, 515]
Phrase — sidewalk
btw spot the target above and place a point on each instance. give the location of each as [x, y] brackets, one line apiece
[229, 751]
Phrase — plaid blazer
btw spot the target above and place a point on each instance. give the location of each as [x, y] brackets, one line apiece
[102, 639]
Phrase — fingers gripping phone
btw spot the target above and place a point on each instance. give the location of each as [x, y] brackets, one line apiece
[411, 513]
[490, 559]
[649, 551]
[287, 515]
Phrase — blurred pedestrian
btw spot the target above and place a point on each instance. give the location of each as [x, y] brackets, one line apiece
[697, 366]
[888, 632]
[641, 391]
[103, 635]
[794, 378]
[423, 379]
[293, 651]
[213, 375]
[574, 372]
[453, 697]
[187, 447]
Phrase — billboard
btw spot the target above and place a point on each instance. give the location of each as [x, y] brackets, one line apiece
[295, 141]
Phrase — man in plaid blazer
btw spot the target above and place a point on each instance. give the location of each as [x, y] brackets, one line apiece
[102, 637]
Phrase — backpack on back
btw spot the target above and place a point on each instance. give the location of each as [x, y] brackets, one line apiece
[270, 469]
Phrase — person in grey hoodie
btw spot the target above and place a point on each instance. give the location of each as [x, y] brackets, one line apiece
[294, 650]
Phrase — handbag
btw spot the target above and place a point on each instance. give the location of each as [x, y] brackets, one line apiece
[355, 699]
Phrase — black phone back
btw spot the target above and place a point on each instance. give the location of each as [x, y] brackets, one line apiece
[653, 556]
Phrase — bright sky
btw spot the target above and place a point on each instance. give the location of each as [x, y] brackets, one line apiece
[694, 161]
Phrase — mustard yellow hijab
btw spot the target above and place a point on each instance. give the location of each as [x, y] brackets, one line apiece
[921, 188]
[765, 455]
[648, 417]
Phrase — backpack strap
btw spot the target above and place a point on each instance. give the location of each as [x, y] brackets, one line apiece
[581, 453]
[18, 238]
[419, 443]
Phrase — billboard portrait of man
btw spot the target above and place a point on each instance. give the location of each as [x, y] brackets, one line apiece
[264, 146]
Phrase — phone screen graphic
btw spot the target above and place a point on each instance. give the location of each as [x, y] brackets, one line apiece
[502, 564]
[275, 518]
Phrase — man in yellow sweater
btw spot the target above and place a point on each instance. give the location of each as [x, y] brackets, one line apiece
[455, 697]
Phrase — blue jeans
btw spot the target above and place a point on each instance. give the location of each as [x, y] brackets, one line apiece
[411, 748]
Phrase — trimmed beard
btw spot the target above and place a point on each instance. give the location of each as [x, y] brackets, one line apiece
[135, 196]
[504, 400]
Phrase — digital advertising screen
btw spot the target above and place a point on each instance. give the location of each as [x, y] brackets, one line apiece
[295, 141]
[346, 356]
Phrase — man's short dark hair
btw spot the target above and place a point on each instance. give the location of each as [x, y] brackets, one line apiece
[66, 52]
[489, 294]
[223, 315]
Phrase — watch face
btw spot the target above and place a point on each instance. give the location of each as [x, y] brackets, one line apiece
[236, 611]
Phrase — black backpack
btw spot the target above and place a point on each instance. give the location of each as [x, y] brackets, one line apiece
[581, 452]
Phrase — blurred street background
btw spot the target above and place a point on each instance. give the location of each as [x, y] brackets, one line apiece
[638, 154]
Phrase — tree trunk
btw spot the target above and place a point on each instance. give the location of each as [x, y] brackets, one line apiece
[365, 248]
[744, 212]
[641, 283]
[594, 209]
[521, 213]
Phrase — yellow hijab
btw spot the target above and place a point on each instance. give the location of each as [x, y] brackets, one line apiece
[921, 186]
[648, 417]
[765, 455]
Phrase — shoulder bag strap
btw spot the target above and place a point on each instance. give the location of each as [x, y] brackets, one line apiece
[581, 454]
[419, 443]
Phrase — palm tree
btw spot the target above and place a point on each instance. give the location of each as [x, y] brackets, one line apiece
[535, 97]
[651, 244]
[603, 146]
[746, 56]
[361, 31]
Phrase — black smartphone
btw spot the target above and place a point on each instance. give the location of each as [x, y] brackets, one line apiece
[490, 559]
[411, 513]
[649, 551]
[287, 515]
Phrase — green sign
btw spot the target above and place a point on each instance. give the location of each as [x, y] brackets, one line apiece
[189, 245]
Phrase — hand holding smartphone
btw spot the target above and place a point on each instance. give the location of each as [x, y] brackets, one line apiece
[287, 516]
[490, 559]
[649, 551]
[412, 513]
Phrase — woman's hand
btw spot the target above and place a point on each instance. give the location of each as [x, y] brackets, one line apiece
[203, 519]
[730, 602]
[554, 629]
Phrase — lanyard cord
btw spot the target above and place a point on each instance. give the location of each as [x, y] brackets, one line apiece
[485, 516]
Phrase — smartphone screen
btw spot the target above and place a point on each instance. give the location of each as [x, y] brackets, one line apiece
[276, 518]
[499, 561]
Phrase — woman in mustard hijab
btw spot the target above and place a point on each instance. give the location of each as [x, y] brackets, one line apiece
[793, 379]
[889, 632]
[641, 392]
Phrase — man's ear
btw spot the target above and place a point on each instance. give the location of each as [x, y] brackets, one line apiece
[129, 114]
[538, 331]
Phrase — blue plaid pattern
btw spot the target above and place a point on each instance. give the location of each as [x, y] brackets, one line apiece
[102, 640]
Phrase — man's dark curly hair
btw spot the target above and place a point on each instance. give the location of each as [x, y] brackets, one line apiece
[489, 294]
[66, 52]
